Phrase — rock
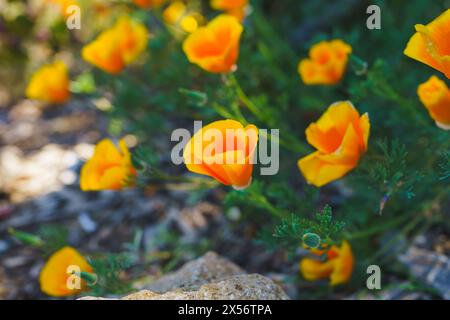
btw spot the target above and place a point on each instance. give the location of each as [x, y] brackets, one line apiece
[210, 277]
[208, 268]
[433, 268]
[240, 287]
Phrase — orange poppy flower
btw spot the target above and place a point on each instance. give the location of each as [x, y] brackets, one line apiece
[148, 3]
[118, 46]
[108, 169]
[215, 47]
[338, 266]
[430, 44]
[235, 8]
[340, 137]
[223, 150]
[435, 96]
[54, 277]
[50, 84]
[326, 63]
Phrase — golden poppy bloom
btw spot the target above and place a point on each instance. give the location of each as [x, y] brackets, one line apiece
[338, 266]
[148, 3]
[326, 63]
[340, 137]
[108, 169]
[430, 44]
[223, 150]
[435, 96]
[235, 8]
[215, 47]
[54, 277]
[118, 46]
[50, 83]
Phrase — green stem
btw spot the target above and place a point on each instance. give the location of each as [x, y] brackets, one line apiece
[243, 97]
[264, 203]
[291, 143]
[222, 111]
[90, 278]
[376, 229]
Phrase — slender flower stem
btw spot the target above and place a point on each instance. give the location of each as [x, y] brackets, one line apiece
[244, 98]
[265, 204]
[376, 229]
[291, 143]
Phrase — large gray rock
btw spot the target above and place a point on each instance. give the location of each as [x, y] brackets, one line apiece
[240, 287]
[210, 277]
[206, 269]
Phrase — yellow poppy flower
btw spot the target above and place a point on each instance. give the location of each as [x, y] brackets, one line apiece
[215, 47]
[435, 96]
[337, 267]
[223, 150]
[326, 63]
[56, 272]
[50, 84]
[340, 137]
[430, 44]
[108, 169]
[118, 46]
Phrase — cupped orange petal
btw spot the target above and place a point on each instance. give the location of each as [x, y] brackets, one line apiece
[340, 136]
[108, 169]
[117, 47]
[215, 47]
[435, 96]
[223, 150]
[50, 84]
[105, 53]
[338, 266]
[343, 264]
[430, 44]
[313, 269]
[319, 172]
[133, 38]
[326, 63]
[54, 275]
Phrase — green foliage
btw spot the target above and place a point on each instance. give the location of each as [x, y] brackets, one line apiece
[320, 231]
[54, 237]
[83, 84]
[390, 174]
[108, 270]
[444, 166]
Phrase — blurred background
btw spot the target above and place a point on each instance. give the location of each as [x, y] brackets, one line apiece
[42, 147]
